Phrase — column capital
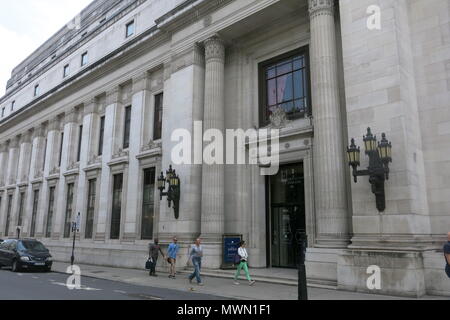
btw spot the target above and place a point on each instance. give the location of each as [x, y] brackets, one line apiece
[90, 106]
[55, 124]
[71, 116]
[141, 82]
[321, 7]
[112, 95]
[15, 142]
[26, 137]
[4, 147]
[214, 49]
[40, 131]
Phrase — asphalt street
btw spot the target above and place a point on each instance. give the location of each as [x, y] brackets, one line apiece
[52, 286]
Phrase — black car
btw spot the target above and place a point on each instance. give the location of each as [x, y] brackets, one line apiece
[25, 254]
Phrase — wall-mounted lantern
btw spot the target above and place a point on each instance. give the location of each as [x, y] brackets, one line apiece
[380, 155]
[173, 193]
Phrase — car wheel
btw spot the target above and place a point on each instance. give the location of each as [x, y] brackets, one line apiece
[49, 269]
[15, 267]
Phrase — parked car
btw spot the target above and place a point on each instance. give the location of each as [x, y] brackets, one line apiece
[25, 254]
[1, 240]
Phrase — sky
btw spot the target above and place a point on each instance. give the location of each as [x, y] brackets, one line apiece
[26, 24]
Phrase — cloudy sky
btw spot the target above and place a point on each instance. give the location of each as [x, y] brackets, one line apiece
[26, 24]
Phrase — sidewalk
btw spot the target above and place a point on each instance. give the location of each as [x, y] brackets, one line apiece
[221, 286]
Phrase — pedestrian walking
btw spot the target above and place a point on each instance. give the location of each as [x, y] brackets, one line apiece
[243, 264]
[196, 255]
[172, 252]
[447, 255]
[154, 251]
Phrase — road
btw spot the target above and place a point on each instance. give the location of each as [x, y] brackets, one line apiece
[52, 286]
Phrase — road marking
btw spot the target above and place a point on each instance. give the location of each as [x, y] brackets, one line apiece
[120, 291]
[35, 277]
[81, 288]
[20, 274]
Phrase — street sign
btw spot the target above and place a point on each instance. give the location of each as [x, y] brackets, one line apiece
[230, 247]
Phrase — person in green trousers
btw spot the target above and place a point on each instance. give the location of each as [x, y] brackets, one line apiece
[242, 252]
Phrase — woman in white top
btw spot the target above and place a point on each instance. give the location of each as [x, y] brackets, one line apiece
[242, 252]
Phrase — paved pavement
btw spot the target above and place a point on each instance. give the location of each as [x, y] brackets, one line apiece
[223, 287]
[52, 286]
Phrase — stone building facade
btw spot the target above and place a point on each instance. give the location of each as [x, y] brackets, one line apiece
[87, 119]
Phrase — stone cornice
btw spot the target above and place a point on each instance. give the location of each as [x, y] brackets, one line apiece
[92, 34]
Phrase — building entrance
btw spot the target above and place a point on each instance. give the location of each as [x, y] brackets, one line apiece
[287, 215]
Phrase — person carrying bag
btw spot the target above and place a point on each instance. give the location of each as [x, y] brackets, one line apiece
[241, 260]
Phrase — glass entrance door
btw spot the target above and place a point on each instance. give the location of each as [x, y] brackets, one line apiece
[287, 215]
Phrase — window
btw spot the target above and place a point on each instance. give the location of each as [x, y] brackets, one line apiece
[101, 136]
[117, 206]
[34, 213]
[8, 214]
[13, 104]
[36, 90]
[284, 84]
[69, 209]
[84, 59]
[3, 112]
[66, 71]
[51, 202]
[130, 29]
[80, 140]
[21, 203]
[157, 127]
[45, 154]
[148, 204]
[90, 209]
[61, 149]
[126, 130]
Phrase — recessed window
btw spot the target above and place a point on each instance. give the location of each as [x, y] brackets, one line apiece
[3, 112]
[66, 71]
[157, 126]
[36, 90]
[90, 209]
[101, 136]
[116, 206]
[84, 59]
[148, 204]
[285, 85]
[130, 29]
[13, 104]
[80, 140]
[127, 128]
[69, 209]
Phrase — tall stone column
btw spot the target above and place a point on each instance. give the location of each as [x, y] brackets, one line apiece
[112, 101]
[13, 161]
[212, 226]
[25, 157]
[329, 166]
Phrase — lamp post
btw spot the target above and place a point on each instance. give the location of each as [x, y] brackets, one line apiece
[174, 191]
[378, 171]
[75, 229]
[18, 232]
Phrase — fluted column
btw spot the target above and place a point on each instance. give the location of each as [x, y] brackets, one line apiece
[3, 163]
[212, 226]
[24, 157]
[13, 160]
[329, 166]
